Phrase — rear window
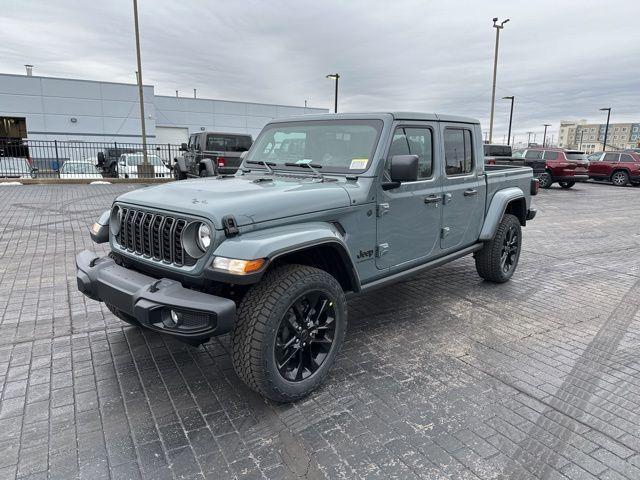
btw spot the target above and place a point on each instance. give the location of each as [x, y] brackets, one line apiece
[228, 143]
[624, 157]
[497, 150]
[575, 155]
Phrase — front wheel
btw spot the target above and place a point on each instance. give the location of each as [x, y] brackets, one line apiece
[567, 184]
[499, 257]
[288, 331]
[545, 180]
[620, 178]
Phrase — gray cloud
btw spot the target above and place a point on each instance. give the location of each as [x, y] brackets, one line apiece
[562, 60]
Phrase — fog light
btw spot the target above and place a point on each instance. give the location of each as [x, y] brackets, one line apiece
[176, 317]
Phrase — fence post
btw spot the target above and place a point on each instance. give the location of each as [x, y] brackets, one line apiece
[169, 152]
[55, 144]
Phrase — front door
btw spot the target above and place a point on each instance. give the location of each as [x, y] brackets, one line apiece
[463, 189]
[409, 216]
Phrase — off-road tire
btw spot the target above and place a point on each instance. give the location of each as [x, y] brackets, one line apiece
[620, 178]
[566, 185]
[122, 316]
[545, 179]
[488, 259]
[258, 319]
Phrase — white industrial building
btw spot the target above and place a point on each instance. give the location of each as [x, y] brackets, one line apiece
[46, 108]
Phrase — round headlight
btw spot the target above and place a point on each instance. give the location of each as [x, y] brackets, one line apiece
[115, 220]
[204, 237]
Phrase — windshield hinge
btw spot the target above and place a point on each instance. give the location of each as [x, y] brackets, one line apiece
[383, 208]
[230, 226]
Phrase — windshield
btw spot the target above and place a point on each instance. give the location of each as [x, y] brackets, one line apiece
[138, 159]
[342, 146]
[16, 165]
[79, 168]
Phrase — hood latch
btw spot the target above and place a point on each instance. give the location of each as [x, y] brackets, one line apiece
[230, 226]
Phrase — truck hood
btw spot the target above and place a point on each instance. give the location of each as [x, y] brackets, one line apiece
[245, 197]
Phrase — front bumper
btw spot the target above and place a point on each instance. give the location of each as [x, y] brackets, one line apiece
[150, 300]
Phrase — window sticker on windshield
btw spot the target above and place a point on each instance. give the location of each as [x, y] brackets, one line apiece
[304, 160]
[358, 163]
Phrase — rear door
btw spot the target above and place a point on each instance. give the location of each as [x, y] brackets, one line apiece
[408, 226]
[609, 162]
[464, 189]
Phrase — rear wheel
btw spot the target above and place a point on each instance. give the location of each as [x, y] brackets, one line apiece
[499, 257]
[288, 331]
[567, 184]
[203, 172]
[545, 180]
[177, 174]
[620, 178]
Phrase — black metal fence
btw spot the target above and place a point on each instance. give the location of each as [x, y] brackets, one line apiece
[84, 160]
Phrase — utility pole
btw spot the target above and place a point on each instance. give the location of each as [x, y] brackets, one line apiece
[495, 72]
[544, 138]
[140, 93]
[606, 129]
[336, 77]
[510, 116]
[529, 138]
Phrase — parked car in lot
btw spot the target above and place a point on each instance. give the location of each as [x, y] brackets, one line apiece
[272, 253]
[619, 168]
[80, 170]
[211, 153]
[16, 167]
[566, 167]
[129, 163]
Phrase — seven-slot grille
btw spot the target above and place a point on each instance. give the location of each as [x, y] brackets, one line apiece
[154, 235]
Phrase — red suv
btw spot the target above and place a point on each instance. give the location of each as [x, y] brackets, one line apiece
[563, 166]
[619, 168]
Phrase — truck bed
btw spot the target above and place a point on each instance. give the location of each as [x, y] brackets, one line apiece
[499, 177]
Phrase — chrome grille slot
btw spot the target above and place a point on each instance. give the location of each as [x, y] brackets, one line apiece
[155, 236]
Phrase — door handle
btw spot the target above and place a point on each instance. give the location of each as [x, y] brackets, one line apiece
[469, 192]
[432, 199]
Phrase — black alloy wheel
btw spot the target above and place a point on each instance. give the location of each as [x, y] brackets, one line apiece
[305, 336]
[510, 249]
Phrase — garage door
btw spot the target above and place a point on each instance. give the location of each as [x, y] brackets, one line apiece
[172, 135]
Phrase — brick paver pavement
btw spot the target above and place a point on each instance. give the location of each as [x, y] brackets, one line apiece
[441, 376]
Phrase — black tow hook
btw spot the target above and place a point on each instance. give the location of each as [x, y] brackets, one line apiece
[153, 288]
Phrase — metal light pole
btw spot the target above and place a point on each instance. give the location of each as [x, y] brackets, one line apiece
[336, 77]
[495, 72]
[606, 129]
[581, 136]
[529, 138]
[544, 138]
[140, 94]
[510, 116]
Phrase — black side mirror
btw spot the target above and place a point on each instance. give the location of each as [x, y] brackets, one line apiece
[184, 147]
[404, 168]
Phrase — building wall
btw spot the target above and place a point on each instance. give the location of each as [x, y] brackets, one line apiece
[590, 136]
[82, 110]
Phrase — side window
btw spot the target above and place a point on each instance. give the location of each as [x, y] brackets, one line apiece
[534, 154]
[550, 155]
[458, 151]
[414, 141]
[610, 157]
[626, 158]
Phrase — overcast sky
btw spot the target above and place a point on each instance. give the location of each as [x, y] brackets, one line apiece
[561, 59]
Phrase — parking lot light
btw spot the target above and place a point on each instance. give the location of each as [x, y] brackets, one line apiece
[495, 72]
[510, 117]
[336, 77]
[606, 128]
[544, 137]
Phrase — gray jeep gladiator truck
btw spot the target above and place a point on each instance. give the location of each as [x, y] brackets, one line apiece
[210, 153]
[272, 253]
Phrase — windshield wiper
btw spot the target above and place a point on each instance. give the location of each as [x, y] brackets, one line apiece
[310, 166]
[266, 164]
